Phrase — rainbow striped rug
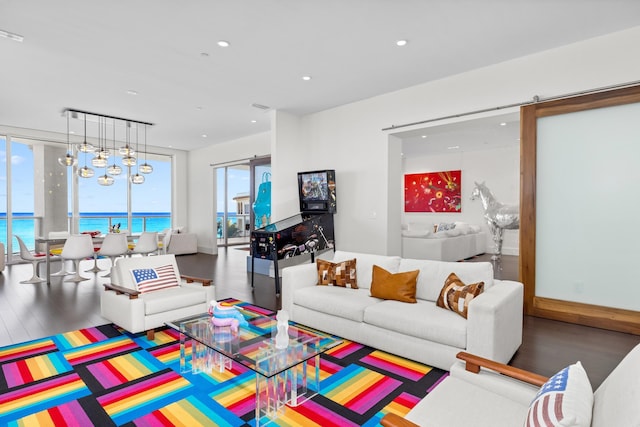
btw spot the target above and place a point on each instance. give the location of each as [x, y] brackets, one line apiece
[105, 376]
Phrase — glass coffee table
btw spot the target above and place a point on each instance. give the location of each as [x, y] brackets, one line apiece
[283, 376]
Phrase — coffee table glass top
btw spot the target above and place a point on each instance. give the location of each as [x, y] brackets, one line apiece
[253, 345]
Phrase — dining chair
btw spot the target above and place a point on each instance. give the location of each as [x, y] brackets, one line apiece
[76, 248]
[113, 246]
[57, 250]
[34, 259]
[147, 243]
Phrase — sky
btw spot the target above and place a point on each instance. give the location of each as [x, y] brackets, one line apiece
[151, 196]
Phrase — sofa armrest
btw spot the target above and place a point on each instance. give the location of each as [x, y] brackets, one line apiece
[393, 420]
[119, 290]
[494, 321]
[473, 363]
[296, 277]
[191, 279]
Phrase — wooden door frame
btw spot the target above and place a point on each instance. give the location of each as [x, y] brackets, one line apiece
[568, 311]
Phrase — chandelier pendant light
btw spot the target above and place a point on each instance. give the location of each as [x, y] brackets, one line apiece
[85, 147]
[105, 180]
[145, 167]
[137, 178]
[85, 171]
[114, 169]
[102, 152]
[69, 159]
[100, 159]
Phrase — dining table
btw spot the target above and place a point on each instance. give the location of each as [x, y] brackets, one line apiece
[49, 242]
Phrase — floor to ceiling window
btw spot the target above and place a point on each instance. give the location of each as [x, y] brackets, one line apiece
[233, 205]
[18, 198]
[151, 201]
[38, 195]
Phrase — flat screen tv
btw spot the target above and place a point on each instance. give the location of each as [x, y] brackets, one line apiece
[317, 191]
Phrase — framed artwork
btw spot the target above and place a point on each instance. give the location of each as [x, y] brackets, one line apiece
[433, 192]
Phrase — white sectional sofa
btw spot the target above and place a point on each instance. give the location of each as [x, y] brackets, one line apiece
[419, 331]
[457, 241]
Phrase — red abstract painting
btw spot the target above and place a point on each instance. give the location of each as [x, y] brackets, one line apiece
[433, 192]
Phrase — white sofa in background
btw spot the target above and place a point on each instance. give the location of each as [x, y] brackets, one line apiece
[123, 304]
[419, 241]
[180, 243]
[422, 331]
[493, 397]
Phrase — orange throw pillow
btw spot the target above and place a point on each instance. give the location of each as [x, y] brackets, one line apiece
[398, 286]
[456, 296]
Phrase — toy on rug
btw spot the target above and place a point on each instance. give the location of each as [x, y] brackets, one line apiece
[226, 315]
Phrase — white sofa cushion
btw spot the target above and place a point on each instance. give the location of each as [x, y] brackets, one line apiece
[457, 403]
[434, 273]
[364, 265]
[422, 320]
[336, 301]
[171, 299]
[616, 400]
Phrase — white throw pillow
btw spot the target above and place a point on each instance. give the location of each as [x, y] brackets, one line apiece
[566, 399]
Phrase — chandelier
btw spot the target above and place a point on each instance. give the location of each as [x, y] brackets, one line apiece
[102, 153]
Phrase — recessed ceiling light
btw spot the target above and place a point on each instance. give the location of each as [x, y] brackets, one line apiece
[132, 92]
[453, 147]
[503, 124]
[72, 132]
[204, 135]
[401, 43]
[423, 136]
[224, 43]
[306, 78]
[254, 121]
[11, 36]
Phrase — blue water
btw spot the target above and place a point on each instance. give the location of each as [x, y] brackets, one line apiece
[24, 226]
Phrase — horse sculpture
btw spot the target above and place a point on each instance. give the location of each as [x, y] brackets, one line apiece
[499, 216]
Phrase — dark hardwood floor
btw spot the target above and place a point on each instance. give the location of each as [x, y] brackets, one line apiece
[30, 311]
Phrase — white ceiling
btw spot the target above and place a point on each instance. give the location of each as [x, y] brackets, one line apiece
[486, 133]
[86, 54]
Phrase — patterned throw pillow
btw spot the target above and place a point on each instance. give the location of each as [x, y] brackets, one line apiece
[341, 274]
[565, 400]
[456, 296]
[398, 286]
[154, 279]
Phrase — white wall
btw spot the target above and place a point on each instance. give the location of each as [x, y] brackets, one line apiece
[350, 139]
[499, 168]
[201, 197]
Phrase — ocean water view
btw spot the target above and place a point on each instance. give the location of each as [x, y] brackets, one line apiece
[24, 224]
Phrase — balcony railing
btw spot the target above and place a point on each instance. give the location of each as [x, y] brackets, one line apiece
[28, 227]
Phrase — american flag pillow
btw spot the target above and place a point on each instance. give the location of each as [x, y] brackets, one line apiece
[566, 399]
[154, 279]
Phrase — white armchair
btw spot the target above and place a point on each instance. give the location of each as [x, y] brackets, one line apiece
[130, 302]
[480, 392]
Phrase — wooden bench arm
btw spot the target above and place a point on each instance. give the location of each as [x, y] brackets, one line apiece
[190, 279]
[393, 420]
[133, 294]
[473, 364]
